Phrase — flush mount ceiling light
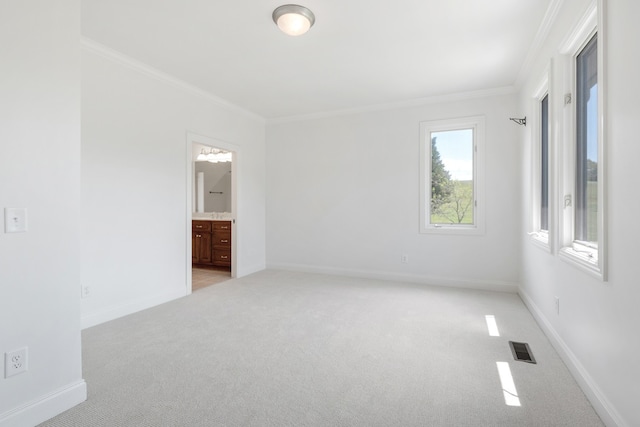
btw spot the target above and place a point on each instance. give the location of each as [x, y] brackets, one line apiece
[293, 19]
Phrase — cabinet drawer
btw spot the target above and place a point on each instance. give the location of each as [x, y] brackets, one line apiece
[222, 225]
[201, 225]
[222, 257]
[222, 239]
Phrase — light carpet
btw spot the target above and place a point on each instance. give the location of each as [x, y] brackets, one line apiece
[295, 349]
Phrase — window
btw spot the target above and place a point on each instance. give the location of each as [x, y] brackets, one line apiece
[586, 193]
[451, 161]
[544, 164]
[541, 173]
[582, 235]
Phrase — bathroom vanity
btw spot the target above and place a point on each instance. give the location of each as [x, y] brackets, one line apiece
[211, 242]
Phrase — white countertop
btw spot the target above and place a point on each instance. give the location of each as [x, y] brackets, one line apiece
[211, 219]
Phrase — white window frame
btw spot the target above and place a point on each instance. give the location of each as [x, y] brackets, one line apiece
[477, 123]
[590, 260]
[540, 237]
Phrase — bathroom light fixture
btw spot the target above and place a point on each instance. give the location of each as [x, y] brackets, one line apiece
[219, 157]
[202, 156]
[214, 156]
[293, 19]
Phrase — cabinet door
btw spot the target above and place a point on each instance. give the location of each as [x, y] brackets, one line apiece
[202, 247]
[195, 247]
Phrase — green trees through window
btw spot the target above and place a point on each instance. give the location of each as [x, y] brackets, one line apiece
[452, 190]
[441, 187]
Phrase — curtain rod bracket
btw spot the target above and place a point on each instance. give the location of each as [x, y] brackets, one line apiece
[522, 121]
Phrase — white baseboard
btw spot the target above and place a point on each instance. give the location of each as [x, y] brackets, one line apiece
[599, 401]
[484, 285]
[45, 407]
[251, 270]
[129, 307]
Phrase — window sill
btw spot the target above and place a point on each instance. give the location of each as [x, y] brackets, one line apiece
[540, 240]
[583, 261]
[453, 230]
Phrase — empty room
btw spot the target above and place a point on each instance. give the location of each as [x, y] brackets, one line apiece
[332, 213]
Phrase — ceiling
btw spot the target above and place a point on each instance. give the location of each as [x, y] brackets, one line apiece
[358, 54]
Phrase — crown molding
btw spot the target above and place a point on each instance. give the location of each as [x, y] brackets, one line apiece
[92, 46]
[415, 102]
[585, 26]
[538, 42]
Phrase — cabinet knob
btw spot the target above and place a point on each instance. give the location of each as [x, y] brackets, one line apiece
[198, 226]
[224, 241]
[197, 235]
[224, 257]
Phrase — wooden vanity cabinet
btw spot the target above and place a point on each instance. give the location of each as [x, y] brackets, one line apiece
[211, 243]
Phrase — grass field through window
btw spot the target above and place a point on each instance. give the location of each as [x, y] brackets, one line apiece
[459, 210]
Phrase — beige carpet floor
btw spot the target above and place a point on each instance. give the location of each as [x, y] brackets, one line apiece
[293, 349]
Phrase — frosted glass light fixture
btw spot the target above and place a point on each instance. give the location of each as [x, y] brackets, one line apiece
[293, 19]
[214, 156]
[202, 156]
[219, 157]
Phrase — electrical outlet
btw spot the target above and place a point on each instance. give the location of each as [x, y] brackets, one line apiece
[15, 362]
[85, 291]
[405, 259]
[557, 305]
[15, 220]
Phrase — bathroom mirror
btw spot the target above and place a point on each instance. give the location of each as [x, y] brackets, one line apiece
[211, 179]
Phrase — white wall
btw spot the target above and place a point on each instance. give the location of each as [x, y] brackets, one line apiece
[343, 197]
[134, 183]
[40, 171]
[597, 328]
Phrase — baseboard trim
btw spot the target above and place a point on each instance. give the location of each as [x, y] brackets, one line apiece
[45, 407]
[599, 401]
[114, 312]
[251, 270]
[484, 285]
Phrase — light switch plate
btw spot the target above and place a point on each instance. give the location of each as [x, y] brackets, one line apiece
[15, 220]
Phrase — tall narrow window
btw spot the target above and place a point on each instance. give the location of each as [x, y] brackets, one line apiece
[544, 164]
[451, 151]
[586, 196]
[542, 201]
[583, 222]
[452, 195]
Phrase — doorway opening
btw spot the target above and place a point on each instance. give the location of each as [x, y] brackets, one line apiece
[211, 211]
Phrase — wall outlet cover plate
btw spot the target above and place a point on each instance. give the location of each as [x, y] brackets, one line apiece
[15, 362]
[15, 220]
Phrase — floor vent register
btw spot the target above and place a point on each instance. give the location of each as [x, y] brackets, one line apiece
[521, 352]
